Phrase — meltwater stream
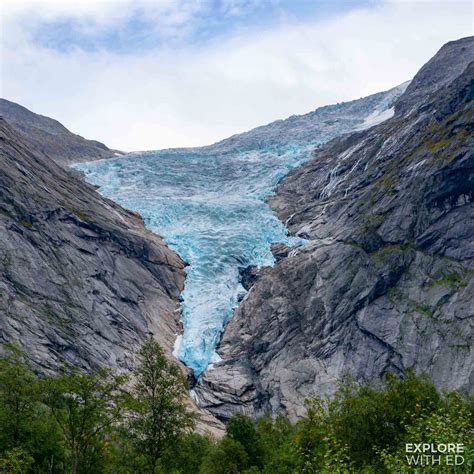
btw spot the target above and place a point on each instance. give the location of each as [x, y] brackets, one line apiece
[208, 205]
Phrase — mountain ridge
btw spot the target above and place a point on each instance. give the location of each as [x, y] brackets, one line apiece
[383, 283]
[386, 280]
[205, 202]
[53, 138]
[57, 233]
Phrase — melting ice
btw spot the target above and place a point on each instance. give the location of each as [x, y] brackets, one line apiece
[208, 205]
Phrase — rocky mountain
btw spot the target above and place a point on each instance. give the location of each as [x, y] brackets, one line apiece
[51, 137]
[81, 279]
[315, 127]
[208, 205]
[386, 279]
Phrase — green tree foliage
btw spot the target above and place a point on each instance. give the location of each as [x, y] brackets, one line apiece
[157, 412]
[227, 457]
[363, 416]
[186, 455]
[276, 437]
[15, 461]
[450, 421]
[96, 423]
[242, 429]
[316, 444]
[28, 432]
[18, 397]
[85, 406]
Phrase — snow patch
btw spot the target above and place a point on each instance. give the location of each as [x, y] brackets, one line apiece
[177, 345]
[376, 117]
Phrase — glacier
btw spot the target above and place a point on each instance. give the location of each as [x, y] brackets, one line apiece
[208, 204]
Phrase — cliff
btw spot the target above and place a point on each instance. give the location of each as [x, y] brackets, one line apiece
[386, 278]
[81, 279]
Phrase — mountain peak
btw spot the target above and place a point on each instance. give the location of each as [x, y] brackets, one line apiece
[447, 64]
[51, 137]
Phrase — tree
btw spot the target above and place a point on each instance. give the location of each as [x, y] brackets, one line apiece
[18, 396]
[451, 422]
[228, 457]
[187, 454]
[85, 406]
[368, 419]
[278, 439]
[27, 428]
[15, 461]
[315, 446]
[242, 429]
[157, 412]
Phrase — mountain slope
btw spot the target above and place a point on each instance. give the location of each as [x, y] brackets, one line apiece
[81, 280]
[51, 137]
[315, 127]
[386, 280]
[205, 202]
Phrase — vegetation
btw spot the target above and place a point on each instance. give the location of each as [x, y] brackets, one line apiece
[453, 280]
[104, 423]
[156, 411]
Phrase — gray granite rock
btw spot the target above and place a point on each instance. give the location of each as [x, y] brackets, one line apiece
[81, 280]
[53, 138]
[386, 280]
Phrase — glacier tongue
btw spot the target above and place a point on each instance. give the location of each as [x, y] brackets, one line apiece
[208, 204]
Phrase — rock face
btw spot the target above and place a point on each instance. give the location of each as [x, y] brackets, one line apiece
[318, 126]
[81, 279]
[386, 280]
[51, 137]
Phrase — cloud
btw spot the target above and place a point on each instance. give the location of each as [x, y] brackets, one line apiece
[187, 92]
[104, 24]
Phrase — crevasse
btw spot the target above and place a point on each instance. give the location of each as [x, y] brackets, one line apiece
[208, 205]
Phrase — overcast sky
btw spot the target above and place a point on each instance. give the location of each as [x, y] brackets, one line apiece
[155, 74]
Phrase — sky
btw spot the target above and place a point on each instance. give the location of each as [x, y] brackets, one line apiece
[143, 75]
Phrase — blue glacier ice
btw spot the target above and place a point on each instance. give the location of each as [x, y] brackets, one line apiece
[208, 205]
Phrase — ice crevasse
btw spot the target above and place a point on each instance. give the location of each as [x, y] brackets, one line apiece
[208, 205]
